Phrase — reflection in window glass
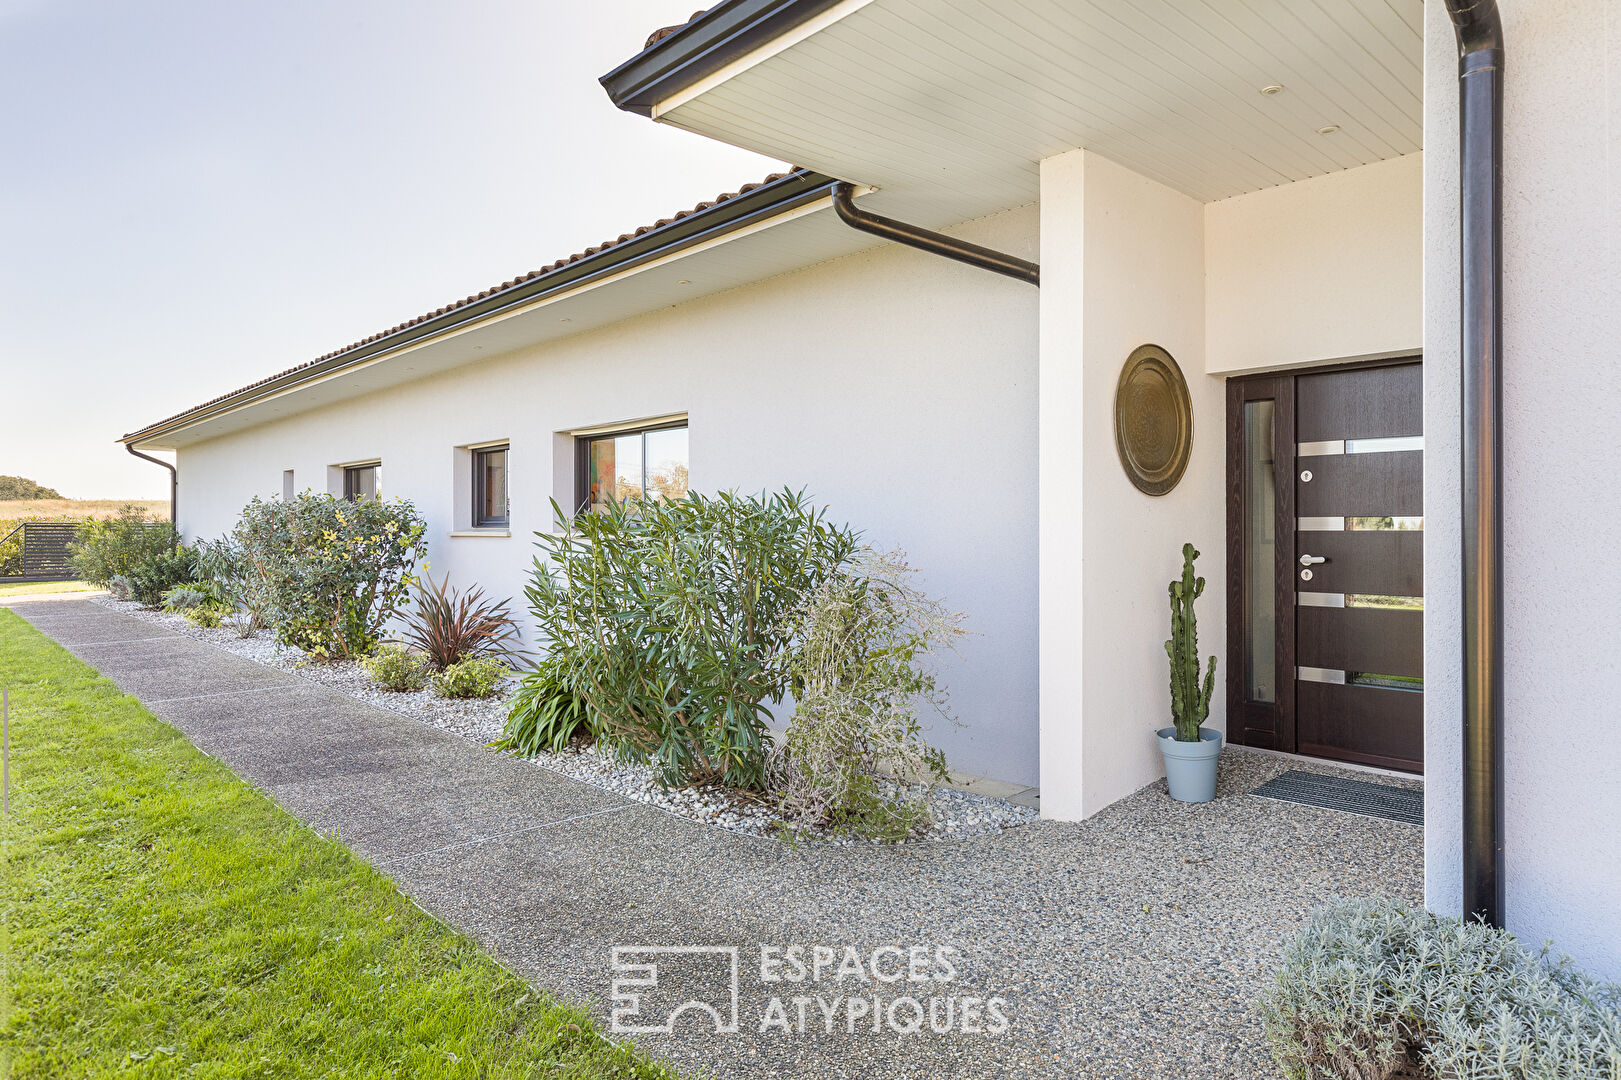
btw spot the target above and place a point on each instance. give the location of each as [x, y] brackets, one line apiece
[666, 463]
[1260, 555]
[631, 465]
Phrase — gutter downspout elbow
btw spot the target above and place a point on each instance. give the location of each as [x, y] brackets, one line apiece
[927, 240]
[1479, 31]
[174, 483]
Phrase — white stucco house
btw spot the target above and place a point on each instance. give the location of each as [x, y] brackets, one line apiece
[1401, 458]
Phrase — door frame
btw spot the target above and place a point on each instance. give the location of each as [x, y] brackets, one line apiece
[1268, 726]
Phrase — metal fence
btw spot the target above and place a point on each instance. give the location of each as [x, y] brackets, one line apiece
[37, 551]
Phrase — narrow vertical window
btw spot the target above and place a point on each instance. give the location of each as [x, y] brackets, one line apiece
[1260, 555]
[490, 488]
[360, 482]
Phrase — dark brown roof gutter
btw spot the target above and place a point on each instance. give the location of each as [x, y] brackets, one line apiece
[709, 42]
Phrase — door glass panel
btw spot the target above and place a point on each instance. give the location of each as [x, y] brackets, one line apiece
[1382, 524]
[1389, 603]
[1260, 555]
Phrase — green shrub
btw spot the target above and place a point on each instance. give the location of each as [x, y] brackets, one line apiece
[394, 667]
[546, 714]
[204, 615]
[1374, 988]
[450, 626]
[119, 587]
[669, 619]
[328, 573]
[853, 758]
[122, 545]
[475, 678]
[154, 576]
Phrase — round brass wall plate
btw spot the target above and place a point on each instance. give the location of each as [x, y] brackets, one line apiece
[1153, 420]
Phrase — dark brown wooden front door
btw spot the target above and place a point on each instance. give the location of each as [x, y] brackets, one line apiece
[1325, 564]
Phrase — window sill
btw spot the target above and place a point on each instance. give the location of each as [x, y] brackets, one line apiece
[481, 532]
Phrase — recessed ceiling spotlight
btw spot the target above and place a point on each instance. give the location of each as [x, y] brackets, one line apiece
[1271, 90]
[683, 281]
[565, 319]
[1328, 129]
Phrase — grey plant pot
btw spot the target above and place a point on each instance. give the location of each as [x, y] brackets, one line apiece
[1190, 767]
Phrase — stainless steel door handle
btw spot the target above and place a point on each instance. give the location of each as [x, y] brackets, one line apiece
[1312, 560]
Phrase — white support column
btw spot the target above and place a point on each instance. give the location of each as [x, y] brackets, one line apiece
[1122, 265]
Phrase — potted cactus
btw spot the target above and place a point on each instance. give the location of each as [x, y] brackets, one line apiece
[1189, 749]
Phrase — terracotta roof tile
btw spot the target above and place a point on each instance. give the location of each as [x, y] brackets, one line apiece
[476, 297]
[665, 31]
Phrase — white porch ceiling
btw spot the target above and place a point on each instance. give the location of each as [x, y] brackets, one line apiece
[955, 102]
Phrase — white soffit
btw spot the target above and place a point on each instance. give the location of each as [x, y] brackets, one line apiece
[799, 238]
[955, 102]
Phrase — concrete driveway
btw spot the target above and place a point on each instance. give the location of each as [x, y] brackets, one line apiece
[1129, 946]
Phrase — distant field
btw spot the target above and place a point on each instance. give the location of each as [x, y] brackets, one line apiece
[17, 509]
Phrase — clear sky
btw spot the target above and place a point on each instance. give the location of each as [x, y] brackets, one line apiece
[194, 195]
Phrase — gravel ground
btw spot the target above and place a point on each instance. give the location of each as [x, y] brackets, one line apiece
[1130, 946]
[956, 814]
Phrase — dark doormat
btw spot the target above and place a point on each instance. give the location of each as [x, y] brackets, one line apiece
[1348, 796]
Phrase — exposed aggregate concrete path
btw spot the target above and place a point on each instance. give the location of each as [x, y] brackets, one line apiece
[1128, 946]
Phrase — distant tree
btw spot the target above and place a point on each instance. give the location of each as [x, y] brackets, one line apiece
[17, 487]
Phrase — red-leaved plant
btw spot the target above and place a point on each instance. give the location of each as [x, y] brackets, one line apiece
[448, 626]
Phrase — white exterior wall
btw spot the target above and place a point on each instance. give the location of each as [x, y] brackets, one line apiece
[898, 387]
[1122, 265]
[1328, 269]
[1562, 454]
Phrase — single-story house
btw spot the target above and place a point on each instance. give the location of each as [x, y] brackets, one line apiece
[1376, 240]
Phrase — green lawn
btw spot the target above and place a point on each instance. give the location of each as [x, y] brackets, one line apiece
[47, 587]
[165, 919]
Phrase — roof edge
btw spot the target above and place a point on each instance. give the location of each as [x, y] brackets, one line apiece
[693, 52]
[768, 200]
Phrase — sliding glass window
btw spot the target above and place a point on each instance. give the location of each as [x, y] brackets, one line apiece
[641, 463]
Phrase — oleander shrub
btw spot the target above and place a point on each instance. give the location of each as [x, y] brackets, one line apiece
[124, 545]
[1372, 989]
[328, 573]
[476, 677]
[223, 566]
[669, 618]
[450, 626]
[394, 667]
[854, 759]
[546, 714]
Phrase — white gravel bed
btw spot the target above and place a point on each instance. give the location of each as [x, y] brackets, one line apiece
[956, 814]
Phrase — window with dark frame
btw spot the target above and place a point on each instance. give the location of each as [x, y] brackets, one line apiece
[360, 482]
[490, 488]
[646, 462]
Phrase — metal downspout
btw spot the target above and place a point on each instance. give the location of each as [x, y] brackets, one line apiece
[1480, 141]
[925, 240]
[174, 483]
